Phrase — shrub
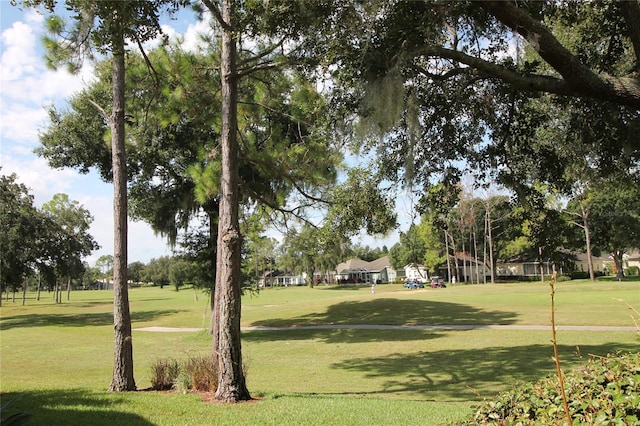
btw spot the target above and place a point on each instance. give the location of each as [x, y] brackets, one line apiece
[164, 373]
[632, 270]
[200, 373]
[606, 390]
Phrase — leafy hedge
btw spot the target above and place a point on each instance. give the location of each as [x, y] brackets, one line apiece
[604, 391]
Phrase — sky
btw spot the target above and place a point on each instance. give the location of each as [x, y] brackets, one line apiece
[28, 87]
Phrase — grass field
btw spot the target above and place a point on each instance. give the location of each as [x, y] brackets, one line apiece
[58, 358]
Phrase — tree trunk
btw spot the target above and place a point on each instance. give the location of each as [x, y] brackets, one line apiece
[213, 241]
[489, 229]
[226, 336]
[475, 253]
[618, 260]
[39, 286]
[587, 237]
[122, 379]
[541, 264]
[24, 293]
[446, 246]
[68, 289]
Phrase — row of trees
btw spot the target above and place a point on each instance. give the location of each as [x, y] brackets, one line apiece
[48, 243]
[601, 221]
[432, 87]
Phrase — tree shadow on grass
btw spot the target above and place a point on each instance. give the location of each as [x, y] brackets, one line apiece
[387, 311]
[71, 406]
[76, 319]
[341, 335]
[470, 374]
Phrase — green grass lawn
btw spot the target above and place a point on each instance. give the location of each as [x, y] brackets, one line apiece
[58, 358]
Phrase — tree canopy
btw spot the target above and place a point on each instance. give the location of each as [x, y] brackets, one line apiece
[443, 87]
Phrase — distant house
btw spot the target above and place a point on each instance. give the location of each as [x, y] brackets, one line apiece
[414, 271]
[355, 271]
[523, 267]
[632, 258]
[281, 279]
[599, 263]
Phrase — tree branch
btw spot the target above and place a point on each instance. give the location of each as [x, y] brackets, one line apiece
[258, 67]
[102, 111]
[621, 90]
[578, 79]
[631, 13]
[263, 53]
[215, 11]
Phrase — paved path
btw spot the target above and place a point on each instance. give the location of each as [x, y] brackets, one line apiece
[409, 327]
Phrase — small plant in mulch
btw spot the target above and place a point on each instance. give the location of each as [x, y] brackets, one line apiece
[202, 373]
[164, 373]
[606, 390]
[197, 373]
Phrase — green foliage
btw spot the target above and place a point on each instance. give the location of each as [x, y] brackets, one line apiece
[605, 390]
[632, 270]
[411, 249]
[18, 220]
[361, 204]
[164, 373]
[74, 241]
[194, 373]
[52, 240]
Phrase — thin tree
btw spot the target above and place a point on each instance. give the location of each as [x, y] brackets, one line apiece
[105, 26]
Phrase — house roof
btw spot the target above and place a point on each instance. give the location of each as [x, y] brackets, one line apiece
[378, 264]
[362, 265]
[633, 254]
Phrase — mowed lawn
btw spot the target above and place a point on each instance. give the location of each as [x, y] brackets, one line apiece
[58, 358]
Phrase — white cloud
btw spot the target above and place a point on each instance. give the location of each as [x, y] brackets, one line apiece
[20, 124]
[35, 173]
[19, 54]
[28, 87]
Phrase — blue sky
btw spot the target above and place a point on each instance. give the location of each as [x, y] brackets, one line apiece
[27, 87]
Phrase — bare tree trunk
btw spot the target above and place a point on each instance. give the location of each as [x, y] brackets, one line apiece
[464, 259]
[491, 261]
[213, 241]
[24, 293]
[455, 260]
[68, 289]
[122, 379]
[541, 264]
[475, 253]
[39, 286]
[484, 250]
[446, 245]
[226, 336]
[587, 237]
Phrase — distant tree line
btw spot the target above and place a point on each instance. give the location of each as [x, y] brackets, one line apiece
[45, 245]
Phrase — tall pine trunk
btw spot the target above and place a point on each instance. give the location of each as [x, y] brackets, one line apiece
[122, 379]
[226, 334]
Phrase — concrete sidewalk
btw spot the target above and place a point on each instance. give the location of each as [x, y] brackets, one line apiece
[407, 327]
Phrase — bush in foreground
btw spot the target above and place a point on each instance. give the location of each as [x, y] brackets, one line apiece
[606, 390]
[197, 373]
